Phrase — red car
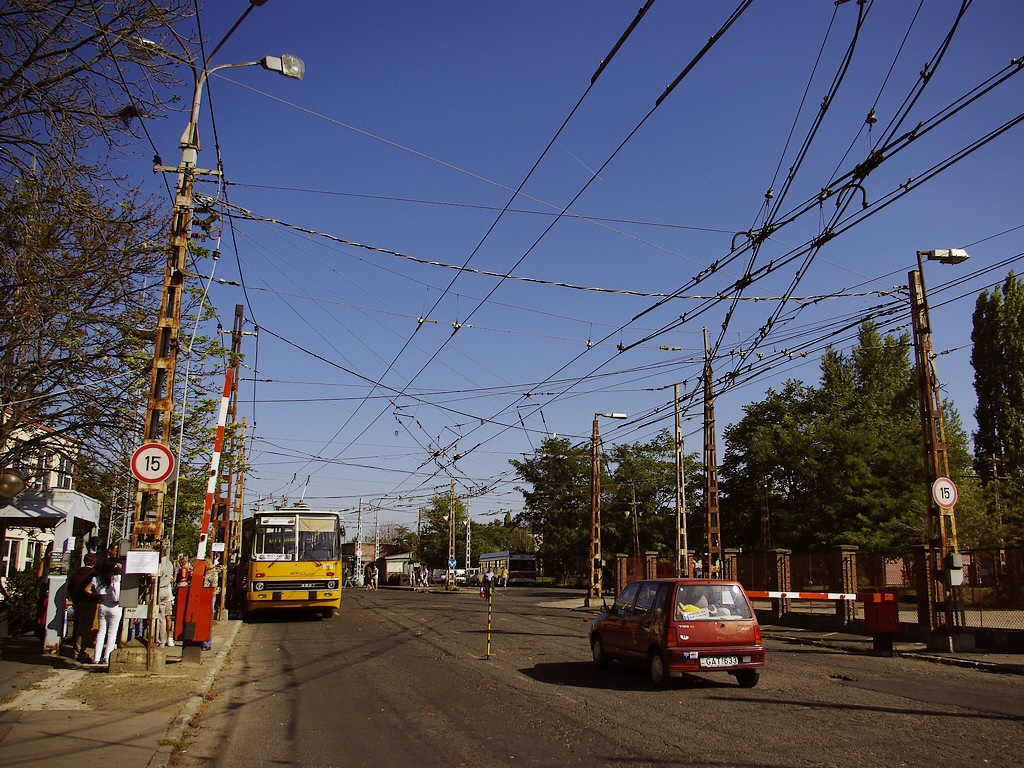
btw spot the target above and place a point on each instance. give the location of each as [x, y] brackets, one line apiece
[677, 626]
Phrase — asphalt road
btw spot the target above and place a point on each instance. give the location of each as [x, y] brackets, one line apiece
[402, 679]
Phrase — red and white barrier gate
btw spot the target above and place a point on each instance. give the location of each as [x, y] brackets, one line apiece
[803, 595]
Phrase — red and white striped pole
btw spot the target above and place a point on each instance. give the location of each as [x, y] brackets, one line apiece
[198, 611]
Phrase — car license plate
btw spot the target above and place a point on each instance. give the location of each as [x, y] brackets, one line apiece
[711, 662]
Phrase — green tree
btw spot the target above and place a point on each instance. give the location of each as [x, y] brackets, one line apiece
[557, 504]
[998, 360]
[840, 463]
[76, 317]
[643, 487]
[769, 451]
[434, 530]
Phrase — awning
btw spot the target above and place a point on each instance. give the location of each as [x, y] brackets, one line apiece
[47, 509]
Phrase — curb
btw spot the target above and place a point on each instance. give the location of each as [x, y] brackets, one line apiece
[951, 661]
[180, 724]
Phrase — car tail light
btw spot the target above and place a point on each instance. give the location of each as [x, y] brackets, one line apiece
[260, 575]
[757, 634]
[330, 573]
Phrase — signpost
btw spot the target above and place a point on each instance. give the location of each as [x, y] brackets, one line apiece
[944, 492]
[152, 463]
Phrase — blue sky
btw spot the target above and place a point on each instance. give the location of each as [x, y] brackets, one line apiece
[415, 124]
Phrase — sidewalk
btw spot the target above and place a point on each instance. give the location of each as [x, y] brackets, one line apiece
[54, 710]
[989, 661]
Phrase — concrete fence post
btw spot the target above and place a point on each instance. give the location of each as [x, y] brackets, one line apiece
[730, 565]
[621, 572]
[843, 578]
[651, 565]
[779, 579]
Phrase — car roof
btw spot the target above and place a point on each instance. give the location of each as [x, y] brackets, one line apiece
[673, 580]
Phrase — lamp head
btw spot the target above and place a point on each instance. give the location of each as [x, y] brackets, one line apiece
[12, 482]
[946, 255]
[286, 64]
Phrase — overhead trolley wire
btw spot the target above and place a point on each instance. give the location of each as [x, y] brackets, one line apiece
[514, 194]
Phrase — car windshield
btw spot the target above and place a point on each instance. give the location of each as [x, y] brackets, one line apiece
[699, 602]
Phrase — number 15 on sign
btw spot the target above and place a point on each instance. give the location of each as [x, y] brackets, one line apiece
[944, 492]
[152, 463]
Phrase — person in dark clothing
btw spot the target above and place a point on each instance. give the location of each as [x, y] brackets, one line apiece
[84, 599]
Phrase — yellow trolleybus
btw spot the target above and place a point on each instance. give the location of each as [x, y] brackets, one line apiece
[293, 560]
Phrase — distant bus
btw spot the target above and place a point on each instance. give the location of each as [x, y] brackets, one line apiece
[292, 559]
[522, 566]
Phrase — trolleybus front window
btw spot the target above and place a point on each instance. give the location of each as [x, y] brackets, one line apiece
[318, 539]
[274, 542]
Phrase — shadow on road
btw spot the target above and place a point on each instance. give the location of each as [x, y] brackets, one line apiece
[582, 674]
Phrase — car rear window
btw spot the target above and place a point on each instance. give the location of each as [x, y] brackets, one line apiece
[700, 602]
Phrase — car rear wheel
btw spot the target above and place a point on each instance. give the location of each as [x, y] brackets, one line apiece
[658, 669]
[597, 649]
[747, 678]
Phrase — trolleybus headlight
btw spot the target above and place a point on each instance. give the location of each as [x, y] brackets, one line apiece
[332, 584]
[258, 586]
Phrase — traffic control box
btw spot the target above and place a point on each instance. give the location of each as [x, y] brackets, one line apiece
[881, 617]
[193, 615]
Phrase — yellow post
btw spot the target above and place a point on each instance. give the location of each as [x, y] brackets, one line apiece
[489, 623]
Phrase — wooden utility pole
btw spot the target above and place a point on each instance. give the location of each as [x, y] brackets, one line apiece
[594, 591]
[945, 614]
[450, 579]
[682, 545]
[636, 521]
[766, 525]
[235, 529]
[148, 523]
[712, 523]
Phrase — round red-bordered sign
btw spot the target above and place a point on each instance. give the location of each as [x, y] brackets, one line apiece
[152, 463]
[944, 492]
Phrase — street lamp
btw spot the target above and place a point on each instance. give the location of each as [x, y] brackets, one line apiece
[148, 522]
[148, 525]
[943, 572]
[594, 591]
[12, 482]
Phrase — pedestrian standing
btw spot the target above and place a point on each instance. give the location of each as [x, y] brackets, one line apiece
[504, 576]
[107, 583]
[85, 601]
[165, 597]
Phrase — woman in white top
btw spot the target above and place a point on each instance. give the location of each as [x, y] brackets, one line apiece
[107, 584]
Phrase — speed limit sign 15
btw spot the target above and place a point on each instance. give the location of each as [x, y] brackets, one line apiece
[152, 463]
[944, 492]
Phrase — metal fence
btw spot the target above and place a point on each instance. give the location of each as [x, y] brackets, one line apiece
[992, 593]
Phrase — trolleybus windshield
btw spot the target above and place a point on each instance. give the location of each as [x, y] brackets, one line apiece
[274, 540]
